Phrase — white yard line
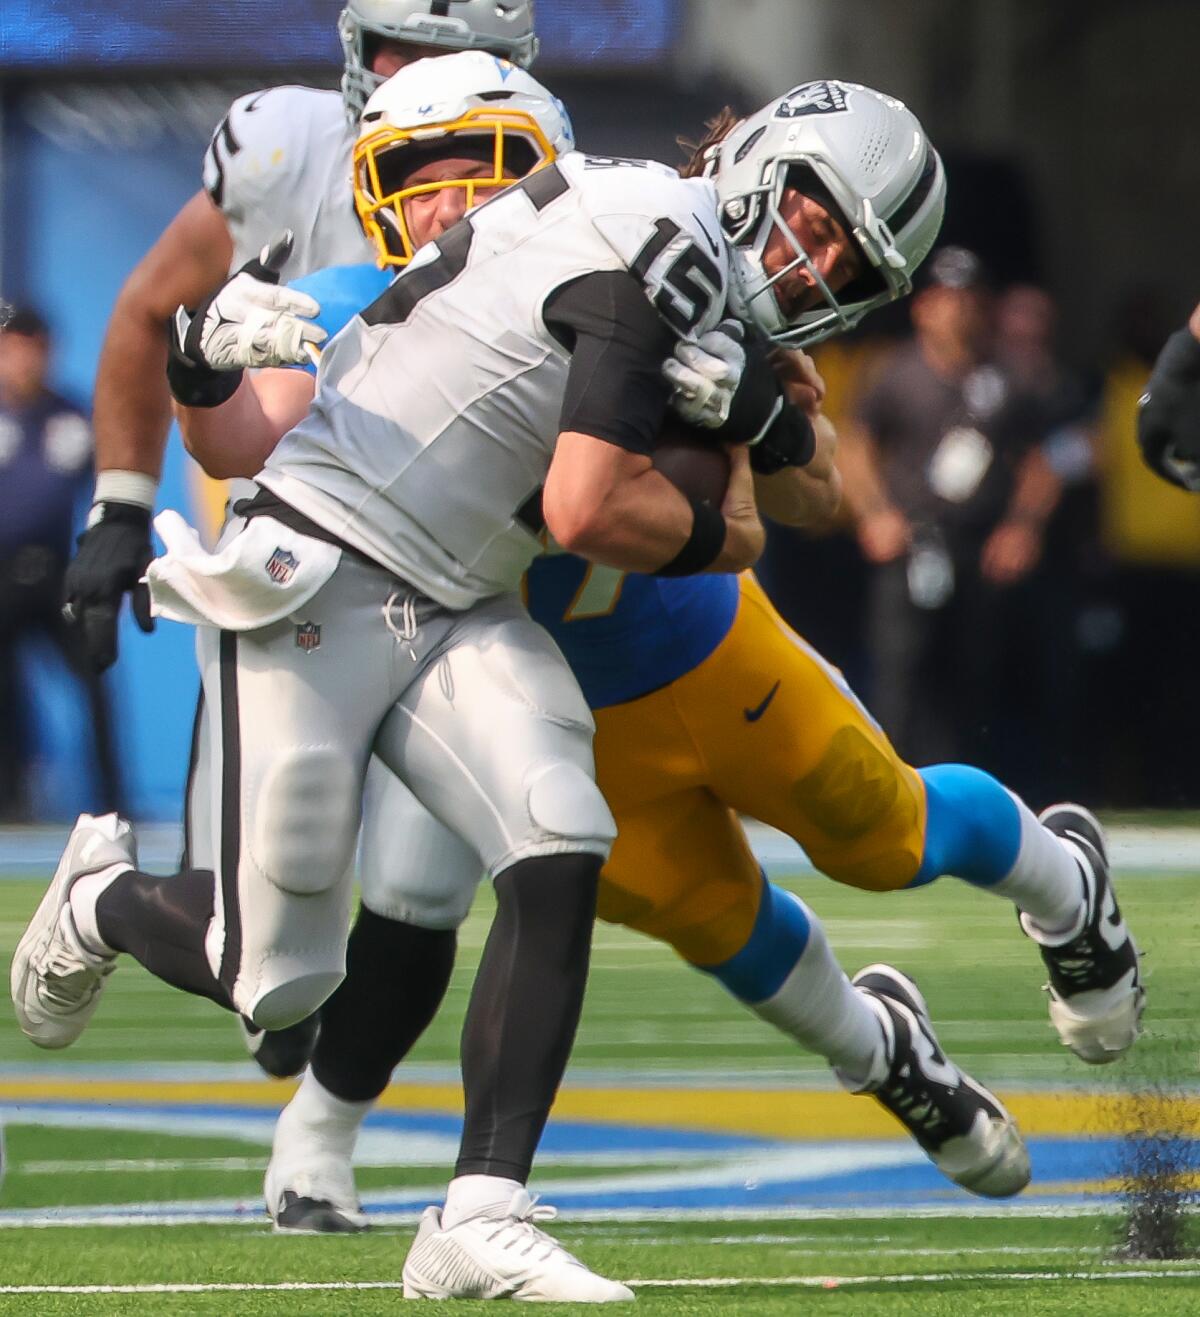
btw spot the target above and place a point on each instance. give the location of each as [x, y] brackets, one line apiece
[203, 1214]
[705, 1282]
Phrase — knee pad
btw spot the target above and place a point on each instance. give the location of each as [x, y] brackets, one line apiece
[293, 1001]
[565, 801]
[870, 808]
[306, 819]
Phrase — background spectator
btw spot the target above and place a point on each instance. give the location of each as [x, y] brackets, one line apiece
[951, 493]
[45, 464]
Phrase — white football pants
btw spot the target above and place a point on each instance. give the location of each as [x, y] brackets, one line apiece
[475, 712]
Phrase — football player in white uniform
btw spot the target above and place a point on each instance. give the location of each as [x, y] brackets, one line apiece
[368, 603]
[280, 160]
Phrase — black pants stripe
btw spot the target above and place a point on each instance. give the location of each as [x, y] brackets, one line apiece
[231, 811]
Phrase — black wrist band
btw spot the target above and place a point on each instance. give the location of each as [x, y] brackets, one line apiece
[193, 385]
[132, 514]
[703, 545]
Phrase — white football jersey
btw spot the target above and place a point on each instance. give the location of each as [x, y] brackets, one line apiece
[280, 159]
[438, 408]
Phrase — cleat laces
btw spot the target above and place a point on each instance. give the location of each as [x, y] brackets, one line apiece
[63, 982]
[520, 1233]
[916, 1106]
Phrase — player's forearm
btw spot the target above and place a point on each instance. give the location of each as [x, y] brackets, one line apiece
[635, 526]
[805, 496]
[799, 497]
[132, 405]
[236, 438]
[231, 440]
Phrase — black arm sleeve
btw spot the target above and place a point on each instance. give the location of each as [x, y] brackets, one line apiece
[618, 342]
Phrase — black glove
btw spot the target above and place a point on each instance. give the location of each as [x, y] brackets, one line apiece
[1168, 426]
[112, 557]
[779, 434]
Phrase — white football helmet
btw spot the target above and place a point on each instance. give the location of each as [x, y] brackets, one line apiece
[492, 110]
[499, 27]
[865, 157]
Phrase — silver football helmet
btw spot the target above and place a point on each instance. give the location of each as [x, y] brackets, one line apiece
[865, 157]
[499, 27]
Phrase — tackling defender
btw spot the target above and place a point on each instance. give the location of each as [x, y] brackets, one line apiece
[702, 891]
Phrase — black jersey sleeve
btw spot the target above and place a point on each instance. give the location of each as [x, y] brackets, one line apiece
[618, 342]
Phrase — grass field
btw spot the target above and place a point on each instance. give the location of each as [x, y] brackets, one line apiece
[675, 1096]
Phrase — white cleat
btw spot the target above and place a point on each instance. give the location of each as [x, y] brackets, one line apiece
[507, 1257]
[310, 1186]
[56, 981]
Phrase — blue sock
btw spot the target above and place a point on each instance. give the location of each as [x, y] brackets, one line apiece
[973, 827]
[774, 947]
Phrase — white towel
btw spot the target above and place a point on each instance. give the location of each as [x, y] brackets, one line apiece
[263, 574]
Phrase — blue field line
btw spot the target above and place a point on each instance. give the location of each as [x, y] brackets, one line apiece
[684, 1171]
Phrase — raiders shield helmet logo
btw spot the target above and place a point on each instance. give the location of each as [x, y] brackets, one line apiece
[281, 566]
[308, 636]
[812, 98]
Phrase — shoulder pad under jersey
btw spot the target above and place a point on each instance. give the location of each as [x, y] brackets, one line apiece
[264, 147]
[664, 229]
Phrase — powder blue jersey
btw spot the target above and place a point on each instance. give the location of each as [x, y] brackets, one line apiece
[623, 634]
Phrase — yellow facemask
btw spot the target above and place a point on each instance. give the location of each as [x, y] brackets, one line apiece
[381, 211]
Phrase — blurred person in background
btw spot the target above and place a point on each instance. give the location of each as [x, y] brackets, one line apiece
[1051, 711]
[45, 451]
[951, 494]
[1146, 584]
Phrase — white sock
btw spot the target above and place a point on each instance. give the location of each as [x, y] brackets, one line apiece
[1045, 883]
[82, 898]
[314, 1112]
[477, 1195]
[820, 1008]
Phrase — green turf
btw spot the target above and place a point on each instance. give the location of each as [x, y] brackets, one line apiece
[649, 1015]
[870, 1265]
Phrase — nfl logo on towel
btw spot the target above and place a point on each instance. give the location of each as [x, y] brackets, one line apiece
[308, 636]
[281, 566]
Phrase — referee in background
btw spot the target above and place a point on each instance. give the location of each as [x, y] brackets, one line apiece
[45, 467]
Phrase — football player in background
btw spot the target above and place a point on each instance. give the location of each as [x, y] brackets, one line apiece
[1169, 410]
[657, 659]
[280, 160]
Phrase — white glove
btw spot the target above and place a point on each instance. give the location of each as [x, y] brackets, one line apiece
[705, 375]
[251, 320]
